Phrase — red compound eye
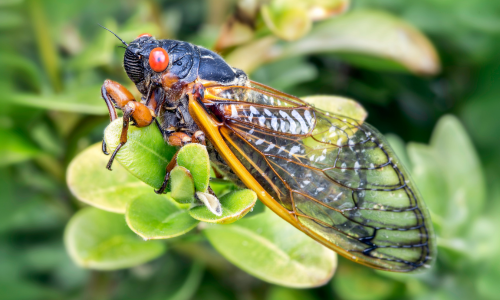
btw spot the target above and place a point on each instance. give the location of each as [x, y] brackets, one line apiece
[158, 59]
[143, 34]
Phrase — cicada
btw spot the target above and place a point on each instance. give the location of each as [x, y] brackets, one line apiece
[333, 177]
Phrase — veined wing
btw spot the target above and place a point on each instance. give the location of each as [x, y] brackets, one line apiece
[337, 176]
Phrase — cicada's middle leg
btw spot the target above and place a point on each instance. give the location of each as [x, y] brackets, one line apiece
[180, 139]
[117, 96]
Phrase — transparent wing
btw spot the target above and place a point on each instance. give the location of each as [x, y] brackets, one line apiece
[337, 176]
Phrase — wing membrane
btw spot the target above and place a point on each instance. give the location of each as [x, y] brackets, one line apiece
[336, 175]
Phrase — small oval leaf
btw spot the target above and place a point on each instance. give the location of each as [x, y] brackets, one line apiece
[101, 240]
[90, 181]
[181, 185]
[194, 157]
[235, 205]
[145, 154]
[157, 217]
[338, 105]
[372, 39]
[287, 22]
[461, 168]
[269, 248]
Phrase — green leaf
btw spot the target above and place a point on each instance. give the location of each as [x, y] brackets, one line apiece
[371, 39]
[288, 22]
[428, 175]
[83, 101]
[291, 20]
[358, 282]
[157, 217]
[145, 155]
[194, 157]
[338, 105]
[235, 206]
[271, 249]
[399, 147]
[482, 241]
[16, 148]
[90, 181]
[449, 175]
[101, 240]
[460, 165]
[181, 185]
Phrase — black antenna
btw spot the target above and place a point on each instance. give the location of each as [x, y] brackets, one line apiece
[123, 42]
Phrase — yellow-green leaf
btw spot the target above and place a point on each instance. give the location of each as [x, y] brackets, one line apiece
[181, 185]
[194, 157]
[372, 39]
[271, 249]
[90, 181]
[101, 240]
[145, 155]
[157, 217]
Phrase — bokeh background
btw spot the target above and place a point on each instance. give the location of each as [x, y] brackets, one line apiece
[440, 112]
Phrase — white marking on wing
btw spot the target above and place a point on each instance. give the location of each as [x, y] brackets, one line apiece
[262, 121]
[302, 123]
[234, 112]
[271, 146]
[254, 110]
[294, 150]
[274, 122]
[307, 115]
[293, 126]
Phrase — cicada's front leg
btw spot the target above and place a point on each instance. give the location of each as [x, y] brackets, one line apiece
[117, 96]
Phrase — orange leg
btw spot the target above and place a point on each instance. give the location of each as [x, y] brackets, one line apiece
[178, 139]
[117, 96]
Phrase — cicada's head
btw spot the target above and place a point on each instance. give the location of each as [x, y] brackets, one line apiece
[152, 63]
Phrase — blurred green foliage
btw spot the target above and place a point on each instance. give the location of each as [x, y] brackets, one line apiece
[54, 58]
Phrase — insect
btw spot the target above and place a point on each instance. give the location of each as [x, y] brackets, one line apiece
[333, 177]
